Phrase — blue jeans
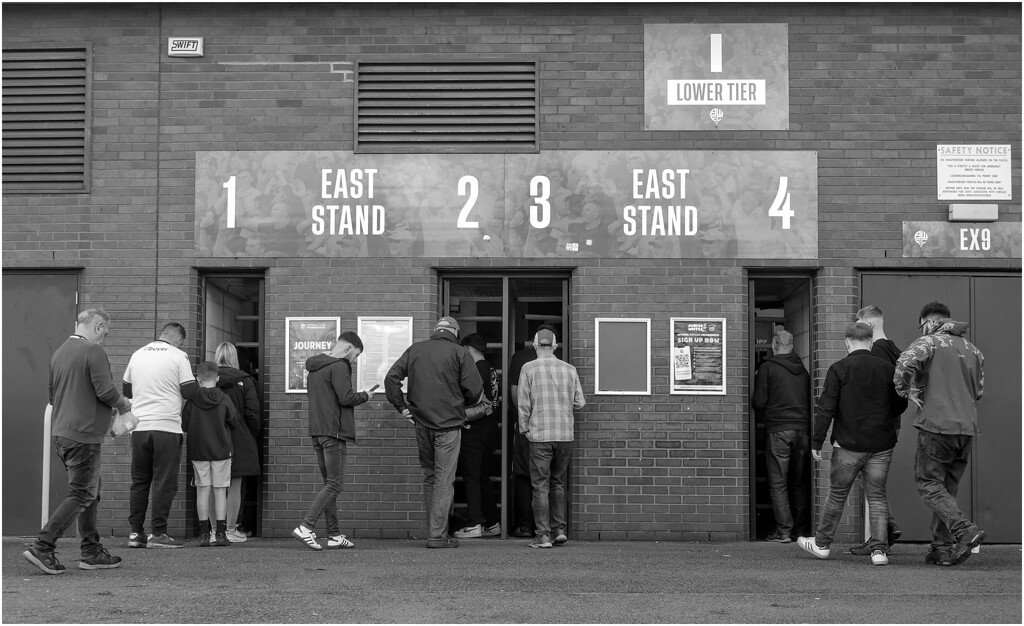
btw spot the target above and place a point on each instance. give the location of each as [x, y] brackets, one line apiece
[439, 457]
[82, 461]
[938, 467]
[156, 456]
[846, 464]
[788, 462]
[549, 466]
[331, 455]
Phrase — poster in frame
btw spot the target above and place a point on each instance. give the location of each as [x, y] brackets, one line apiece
[305, 337]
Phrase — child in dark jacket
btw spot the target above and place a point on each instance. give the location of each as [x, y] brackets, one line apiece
[207, 418]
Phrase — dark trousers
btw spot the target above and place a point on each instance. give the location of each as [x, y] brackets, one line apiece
[156, 456]
[938, 467]
[331, 455]
[82, 461]
[439, 458]
[475, 454]
[549, 467]
[788, 461]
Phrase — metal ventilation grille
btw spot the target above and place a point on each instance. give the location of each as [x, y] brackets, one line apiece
[45, 113]
[485, 106]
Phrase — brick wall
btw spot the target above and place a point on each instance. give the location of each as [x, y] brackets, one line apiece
[873, 89]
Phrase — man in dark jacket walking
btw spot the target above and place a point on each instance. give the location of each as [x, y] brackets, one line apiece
[443, 381]
[943, 375]
[332, 426]
[859, 401]
[782, 396]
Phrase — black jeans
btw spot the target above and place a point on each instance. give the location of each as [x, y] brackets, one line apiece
[478, 444]
[156, 456]
[938, 467]
[788, 460]
[82, 461]
[331, 455]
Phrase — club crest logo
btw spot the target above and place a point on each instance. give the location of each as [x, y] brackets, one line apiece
[920, 238]
[717, 115]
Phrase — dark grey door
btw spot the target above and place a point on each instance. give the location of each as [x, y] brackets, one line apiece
[39, 314]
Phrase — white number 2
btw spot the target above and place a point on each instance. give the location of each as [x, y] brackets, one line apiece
[230, 186]
[474, 190]
[780, 206]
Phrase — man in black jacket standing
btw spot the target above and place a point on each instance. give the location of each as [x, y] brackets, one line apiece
[332, 426]
[443, 381]
[859, 401]
[782, 396]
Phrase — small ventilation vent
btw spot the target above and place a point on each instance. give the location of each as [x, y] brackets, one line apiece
[485, 106]
[45, 120]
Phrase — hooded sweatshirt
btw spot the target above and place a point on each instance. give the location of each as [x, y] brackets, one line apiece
[207, 417]
[945, 372]
[782, 392]
[331, 398]
[240, 389]
[443, 381]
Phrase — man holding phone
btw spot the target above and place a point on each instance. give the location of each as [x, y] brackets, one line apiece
[332, 426]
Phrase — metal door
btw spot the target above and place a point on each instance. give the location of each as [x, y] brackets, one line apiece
[39, 314]
[996, 330]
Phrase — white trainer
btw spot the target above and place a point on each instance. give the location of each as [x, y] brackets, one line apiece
[236, 537]
[879, 557]
[307, 536]
[339, 542]
[808, 544]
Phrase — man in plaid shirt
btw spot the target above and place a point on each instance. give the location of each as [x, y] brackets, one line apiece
[549, 391]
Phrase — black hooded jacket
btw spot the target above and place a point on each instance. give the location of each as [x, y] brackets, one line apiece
[886, 349]
[240, 388]
[207, 417]
[782, 393]
[331, 398]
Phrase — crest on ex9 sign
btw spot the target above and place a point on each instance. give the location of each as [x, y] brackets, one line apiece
[184, 46]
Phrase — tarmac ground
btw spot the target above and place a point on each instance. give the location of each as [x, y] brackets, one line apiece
[503, 581]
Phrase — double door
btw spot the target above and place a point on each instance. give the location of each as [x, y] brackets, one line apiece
[505, 309]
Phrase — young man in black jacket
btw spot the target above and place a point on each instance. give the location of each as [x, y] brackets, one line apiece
[859, 401]
[782, 396]
[332, 426]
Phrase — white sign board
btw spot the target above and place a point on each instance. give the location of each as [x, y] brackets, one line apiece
[973, 172]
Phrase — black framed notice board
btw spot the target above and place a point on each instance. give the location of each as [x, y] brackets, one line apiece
[623, 363]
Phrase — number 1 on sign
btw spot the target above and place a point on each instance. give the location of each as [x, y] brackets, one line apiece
[230, 186]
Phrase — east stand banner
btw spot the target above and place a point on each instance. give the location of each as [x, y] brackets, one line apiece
[596, 204]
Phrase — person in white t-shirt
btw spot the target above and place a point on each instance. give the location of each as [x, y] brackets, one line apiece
[158, 380]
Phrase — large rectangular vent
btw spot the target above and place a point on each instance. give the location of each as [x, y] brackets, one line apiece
[45, 120]
[482, 106]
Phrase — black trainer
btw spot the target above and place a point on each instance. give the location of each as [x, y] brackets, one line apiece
[100, 560]
[939, 557]
[968, 541]
[46, 561]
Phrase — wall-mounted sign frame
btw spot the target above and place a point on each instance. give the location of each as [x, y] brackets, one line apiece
[697, 362]
[622, 363]
[384, 340]
[303, 338]
[973, 240]
[974, 172]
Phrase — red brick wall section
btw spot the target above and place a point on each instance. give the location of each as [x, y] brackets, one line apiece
[873, 89]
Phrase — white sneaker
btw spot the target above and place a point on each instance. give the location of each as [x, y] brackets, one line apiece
[306, 536]
[469, 532]
[236, 537]
[338, 542]
[879, 558]
[808, 544]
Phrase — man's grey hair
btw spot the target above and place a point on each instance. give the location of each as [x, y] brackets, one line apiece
[783, 339]
[89, 316]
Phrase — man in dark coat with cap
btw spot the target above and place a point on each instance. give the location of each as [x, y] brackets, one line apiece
[443, 381]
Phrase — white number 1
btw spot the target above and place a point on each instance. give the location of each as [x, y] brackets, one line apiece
[780, 206]
[230, 186]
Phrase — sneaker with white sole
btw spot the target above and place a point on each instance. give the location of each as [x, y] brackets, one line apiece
[100, 560]
[541, 541]
[46, 561]
[339, 542]
[810, 545]
[162, 540]
[307, 537]
[470, 532]
[137, 540]
[493, 530]
[878, 557]
[236, 537]
[560, 539]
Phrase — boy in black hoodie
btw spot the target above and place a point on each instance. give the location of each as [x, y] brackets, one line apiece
[332, 426]
[207, 417]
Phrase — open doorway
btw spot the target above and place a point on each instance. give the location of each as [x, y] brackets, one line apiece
[233, 306]
[507, 309]
[777, 302]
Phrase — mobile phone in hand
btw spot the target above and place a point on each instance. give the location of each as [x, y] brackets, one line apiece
[372, 389]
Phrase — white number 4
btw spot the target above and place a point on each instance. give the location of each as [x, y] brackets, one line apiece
[780, 206]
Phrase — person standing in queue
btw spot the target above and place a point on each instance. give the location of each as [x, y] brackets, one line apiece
[443, 381]
[549, 391]
[82, 394]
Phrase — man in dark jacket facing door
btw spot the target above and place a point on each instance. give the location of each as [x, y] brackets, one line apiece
[782, 396]
[332, 426]
[443, 381]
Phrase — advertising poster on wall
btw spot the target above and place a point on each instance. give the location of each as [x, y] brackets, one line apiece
[305, 337]
[384, 340]
[716, 76]
[975, 240]
[582, 204]
[697, 363]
